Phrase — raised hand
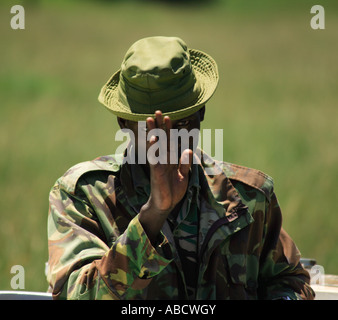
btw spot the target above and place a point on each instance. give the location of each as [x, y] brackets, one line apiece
[168, 181]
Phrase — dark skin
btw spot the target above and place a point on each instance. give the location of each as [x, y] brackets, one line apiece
[168, 182]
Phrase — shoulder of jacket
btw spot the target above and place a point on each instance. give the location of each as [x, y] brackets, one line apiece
[251, 177]
[109, 163]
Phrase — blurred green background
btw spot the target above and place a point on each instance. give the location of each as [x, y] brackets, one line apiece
[276, 101]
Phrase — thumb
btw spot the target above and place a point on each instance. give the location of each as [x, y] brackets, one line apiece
[185, 162]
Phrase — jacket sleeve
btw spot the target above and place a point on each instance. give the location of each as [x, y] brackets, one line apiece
[281, 274]
[81, 263]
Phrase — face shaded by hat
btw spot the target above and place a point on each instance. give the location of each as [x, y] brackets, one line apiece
[160, 73]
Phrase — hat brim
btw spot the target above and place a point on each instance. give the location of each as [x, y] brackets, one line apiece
[206, 74]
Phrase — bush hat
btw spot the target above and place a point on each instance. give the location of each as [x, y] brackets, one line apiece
[160, 73]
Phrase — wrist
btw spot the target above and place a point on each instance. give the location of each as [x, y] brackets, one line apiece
[150, 208]
[152, 221]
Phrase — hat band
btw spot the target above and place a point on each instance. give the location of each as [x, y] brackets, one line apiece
[140, 100]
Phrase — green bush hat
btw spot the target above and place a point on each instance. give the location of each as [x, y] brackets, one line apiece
[160, 73]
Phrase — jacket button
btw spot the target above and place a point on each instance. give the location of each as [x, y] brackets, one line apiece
[115, 166]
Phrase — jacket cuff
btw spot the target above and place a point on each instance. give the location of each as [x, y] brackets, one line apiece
[146, 260]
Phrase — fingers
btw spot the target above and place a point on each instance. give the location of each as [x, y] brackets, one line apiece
[150, 122]
[159, 119]
[167, 122]
[171, 147]
[185, 162]
[166, 144]
[157, 133]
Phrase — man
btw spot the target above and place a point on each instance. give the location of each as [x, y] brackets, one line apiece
[120, 229]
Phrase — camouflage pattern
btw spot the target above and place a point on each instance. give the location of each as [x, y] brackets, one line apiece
[228, 230]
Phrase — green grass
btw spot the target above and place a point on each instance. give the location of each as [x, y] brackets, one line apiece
[276, 101]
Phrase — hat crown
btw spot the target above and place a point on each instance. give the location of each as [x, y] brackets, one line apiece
[160, 73]
[155, 63]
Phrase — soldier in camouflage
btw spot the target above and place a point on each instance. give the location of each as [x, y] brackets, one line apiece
[123, 230]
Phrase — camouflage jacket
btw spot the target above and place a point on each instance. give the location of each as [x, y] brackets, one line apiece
[99, 250]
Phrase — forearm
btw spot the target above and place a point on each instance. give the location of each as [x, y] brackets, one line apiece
[152, 221]
[125, 269]
[81, 263]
